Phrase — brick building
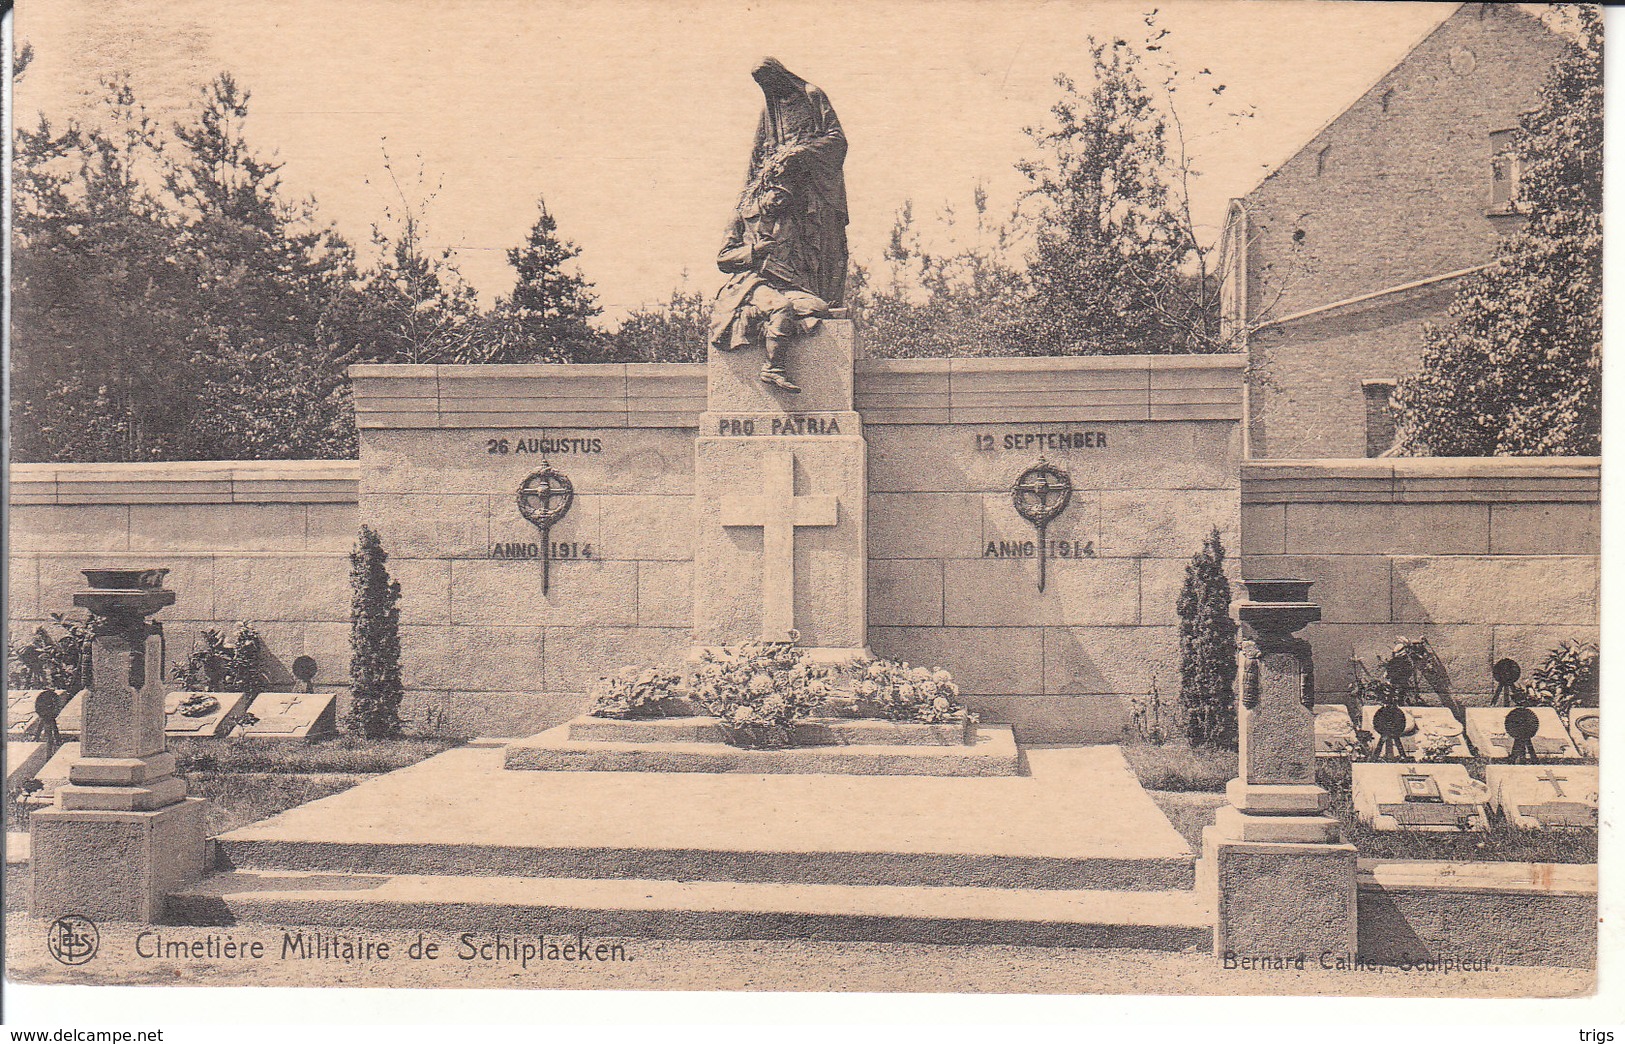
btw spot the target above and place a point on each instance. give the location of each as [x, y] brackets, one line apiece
[1338, 257]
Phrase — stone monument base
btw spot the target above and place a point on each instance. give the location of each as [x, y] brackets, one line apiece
[841, 747]
[116, 865]
[1277, 900]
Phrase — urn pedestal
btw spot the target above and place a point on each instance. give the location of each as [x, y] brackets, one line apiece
[1282, 878]
[122, 834]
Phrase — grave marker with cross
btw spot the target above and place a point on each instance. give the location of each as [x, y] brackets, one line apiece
[778, 512]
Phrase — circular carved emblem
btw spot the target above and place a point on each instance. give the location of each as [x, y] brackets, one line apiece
[73, 939]
[1041, 493]
[545, 496]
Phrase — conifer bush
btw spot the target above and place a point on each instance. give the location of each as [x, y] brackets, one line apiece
[1207, 649]
[375, 642]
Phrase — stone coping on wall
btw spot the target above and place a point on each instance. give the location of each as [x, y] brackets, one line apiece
[1541, 879]
[888, 391]
[1422, 480]
[188, 482]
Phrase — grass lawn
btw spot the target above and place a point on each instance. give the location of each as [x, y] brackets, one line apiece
[342, 754]
[247, 780]
[1188, 785]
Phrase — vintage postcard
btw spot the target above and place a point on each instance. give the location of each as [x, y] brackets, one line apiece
[895, 497]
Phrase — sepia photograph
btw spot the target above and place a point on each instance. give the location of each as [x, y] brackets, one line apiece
[1002, 498]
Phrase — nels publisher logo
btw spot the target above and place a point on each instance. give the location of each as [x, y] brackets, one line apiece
[73, 939]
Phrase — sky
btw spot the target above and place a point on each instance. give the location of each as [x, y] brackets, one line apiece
[634, 118]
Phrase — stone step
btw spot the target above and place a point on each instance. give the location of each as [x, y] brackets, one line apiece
[994, 753]
[1080, 820]
[722, 867]
[519, 906]
[813, 732]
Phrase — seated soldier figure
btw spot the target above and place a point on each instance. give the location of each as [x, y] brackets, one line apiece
[764, 301]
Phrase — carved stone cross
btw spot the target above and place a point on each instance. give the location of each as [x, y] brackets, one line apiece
[778, 511]
[1555, 780]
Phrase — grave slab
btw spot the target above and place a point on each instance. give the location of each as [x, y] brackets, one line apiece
[23, 724]
[1427, 798]
[71, 720]
[1419, 720]
[1334, 731]
[1545, 797]
[1486, 730]
[293, 715]
[191, 713]
[24, 759]
[54, 773]
[1585, 729]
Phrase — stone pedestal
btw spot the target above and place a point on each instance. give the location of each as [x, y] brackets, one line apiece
[122, 833]
[1284, 880]
[780, 483]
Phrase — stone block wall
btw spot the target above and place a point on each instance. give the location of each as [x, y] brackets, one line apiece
[1520, 914]
[264, 542]
[443, 451]
[1485, 557]
[1152, 447]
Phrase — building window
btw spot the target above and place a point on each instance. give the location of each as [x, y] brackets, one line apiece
[1379, 416]
[1506, 167]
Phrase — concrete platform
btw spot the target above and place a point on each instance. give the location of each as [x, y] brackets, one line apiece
[1079, 821]
[993, 753]
[521, 906]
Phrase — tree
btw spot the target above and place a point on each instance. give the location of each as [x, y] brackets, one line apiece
[274, 289]
[1517, 369]
[102, 302]
[415, 305]
[375, 642]
[967, 296]
[1113, 262]
[546, 316]
[677, 331]
[161, 284]
[1207, 649]
[1110, 240]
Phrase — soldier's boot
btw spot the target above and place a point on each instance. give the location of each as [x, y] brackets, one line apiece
[773, 373]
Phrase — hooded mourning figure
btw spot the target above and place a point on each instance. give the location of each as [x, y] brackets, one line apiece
[786, 248]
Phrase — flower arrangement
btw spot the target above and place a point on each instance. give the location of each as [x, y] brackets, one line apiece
[198, 705]
[219, 664]
[899, 692]
[1433, 744]
[1566, 679]
[45, 662]
[635, 692]
[760, 690]
[1397, 678]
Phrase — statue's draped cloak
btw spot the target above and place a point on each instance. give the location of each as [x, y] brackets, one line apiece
[799, 126]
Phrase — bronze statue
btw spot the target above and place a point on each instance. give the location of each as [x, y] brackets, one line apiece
[786, 249]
